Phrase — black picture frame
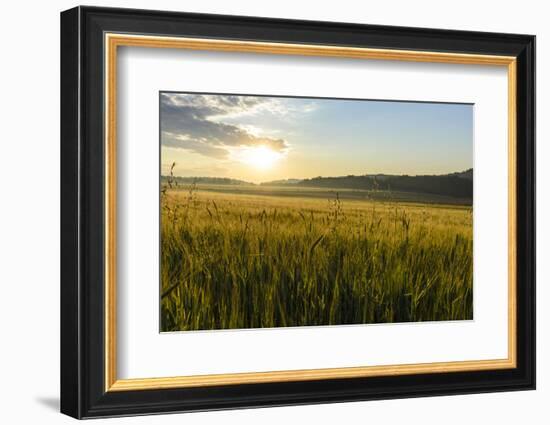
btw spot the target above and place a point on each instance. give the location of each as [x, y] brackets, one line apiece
[83, 392]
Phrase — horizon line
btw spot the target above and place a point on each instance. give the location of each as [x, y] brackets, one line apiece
[324, 177]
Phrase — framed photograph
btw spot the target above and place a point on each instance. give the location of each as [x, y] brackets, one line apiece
[260, 212]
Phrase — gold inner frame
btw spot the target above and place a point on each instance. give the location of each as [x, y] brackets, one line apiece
[113, 41]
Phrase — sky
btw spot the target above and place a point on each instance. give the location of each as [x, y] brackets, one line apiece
[260, 138]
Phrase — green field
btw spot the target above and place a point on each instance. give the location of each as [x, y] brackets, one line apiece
[254, 256]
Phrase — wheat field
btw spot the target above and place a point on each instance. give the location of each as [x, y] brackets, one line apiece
[273, 258]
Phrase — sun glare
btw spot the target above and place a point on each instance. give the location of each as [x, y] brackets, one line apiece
[260, 157]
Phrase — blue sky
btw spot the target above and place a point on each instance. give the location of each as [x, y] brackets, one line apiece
[268, 138]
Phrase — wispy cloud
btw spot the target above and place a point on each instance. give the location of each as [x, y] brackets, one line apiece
[197, 123]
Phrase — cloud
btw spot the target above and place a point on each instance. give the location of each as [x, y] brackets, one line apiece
[196, 123]
[174, 140]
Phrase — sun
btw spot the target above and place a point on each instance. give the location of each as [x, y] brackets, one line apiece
[259, 157]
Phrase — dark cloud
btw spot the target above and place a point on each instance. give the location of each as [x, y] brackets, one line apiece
[195, 123]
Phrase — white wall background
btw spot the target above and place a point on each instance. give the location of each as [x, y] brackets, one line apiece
[29, 212]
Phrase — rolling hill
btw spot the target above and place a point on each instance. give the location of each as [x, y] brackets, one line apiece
[457, 185]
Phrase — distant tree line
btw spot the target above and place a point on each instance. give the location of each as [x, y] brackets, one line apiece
[455, 185]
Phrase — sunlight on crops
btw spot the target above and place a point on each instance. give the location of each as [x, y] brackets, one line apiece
[260, 260]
